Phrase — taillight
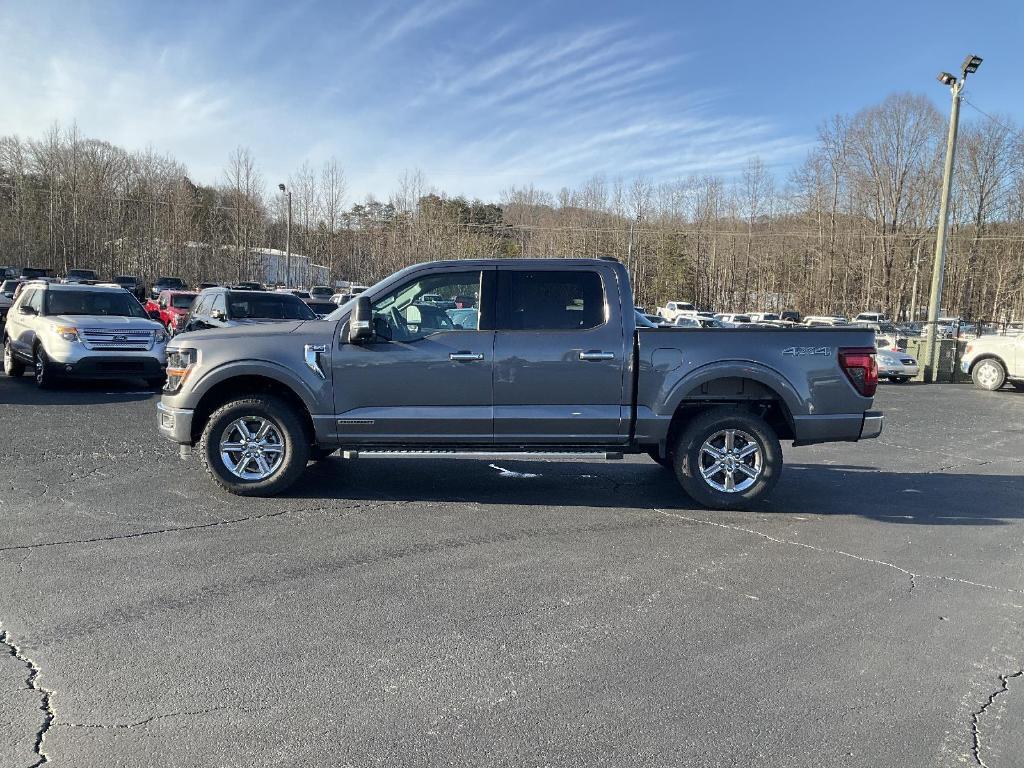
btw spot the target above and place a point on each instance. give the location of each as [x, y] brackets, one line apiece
[861, 368]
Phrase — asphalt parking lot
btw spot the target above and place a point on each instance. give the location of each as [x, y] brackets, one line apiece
[426, 611]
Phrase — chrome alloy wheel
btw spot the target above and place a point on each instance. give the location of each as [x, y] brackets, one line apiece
[252, 448]
[988, 374]
[730, 461]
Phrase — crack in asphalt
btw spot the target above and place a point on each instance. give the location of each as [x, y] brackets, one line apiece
[912, 575]
[976, 716]
[45, 695]
[145, 721]
[196, 527]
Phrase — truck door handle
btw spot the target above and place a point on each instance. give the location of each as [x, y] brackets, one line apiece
[465, 356]
[594, 355]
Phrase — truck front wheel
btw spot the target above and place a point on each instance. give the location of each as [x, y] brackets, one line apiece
[255, 446]
[727, 458]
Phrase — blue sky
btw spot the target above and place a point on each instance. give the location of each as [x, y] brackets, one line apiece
[483, 95]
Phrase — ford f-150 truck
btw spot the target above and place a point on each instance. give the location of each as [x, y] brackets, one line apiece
[552, 362]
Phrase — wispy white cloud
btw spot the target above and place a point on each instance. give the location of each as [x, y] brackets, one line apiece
[418, 17]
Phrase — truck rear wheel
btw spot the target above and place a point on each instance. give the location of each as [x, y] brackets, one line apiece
[255, 446]
[727, 458]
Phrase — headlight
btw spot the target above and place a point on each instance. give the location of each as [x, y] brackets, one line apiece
[180, 363]
[66, 332]
[160, 336]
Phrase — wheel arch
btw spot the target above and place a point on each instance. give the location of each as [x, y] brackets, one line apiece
[241, 384]
[746, 393]
[989, 356]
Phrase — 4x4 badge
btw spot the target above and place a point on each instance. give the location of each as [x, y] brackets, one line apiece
[805, 351]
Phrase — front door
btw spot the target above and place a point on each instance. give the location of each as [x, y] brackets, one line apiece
[425, 376]
[560, 357]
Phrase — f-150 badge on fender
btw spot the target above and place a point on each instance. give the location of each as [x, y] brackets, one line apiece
[806, 351]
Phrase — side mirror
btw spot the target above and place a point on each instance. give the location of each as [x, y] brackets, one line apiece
[25, 309]
[154, 314]
[219, 314]
[360, 326]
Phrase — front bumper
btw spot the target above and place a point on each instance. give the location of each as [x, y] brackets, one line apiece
[109, 367]
[872, 426]
[175, 423]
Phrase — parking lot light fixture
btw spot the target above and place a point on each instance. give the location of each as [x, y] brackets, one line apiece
[970, 65]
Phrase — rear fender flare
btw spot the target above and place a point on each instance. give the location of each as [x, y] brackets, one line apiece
[796, 403]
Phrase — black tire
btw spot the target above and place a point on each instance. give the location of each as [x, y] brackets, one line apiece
[12, 365]
[284, 418]
[989, 374]
[665, 461]
[44, 373]
[689, 455]
[901, 379]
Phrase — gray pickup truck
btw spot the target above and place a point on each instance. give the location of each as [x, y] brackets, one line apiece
[551, 360]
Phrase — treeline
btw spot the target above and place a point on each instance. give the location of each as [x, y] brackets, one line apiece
[851, 228]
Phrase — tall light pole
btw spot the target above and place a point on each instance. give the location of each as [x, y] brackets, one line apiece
[287, 239]
[970, 65]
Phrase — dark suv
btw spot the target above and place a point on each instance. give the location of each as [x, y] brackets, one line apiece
[167, 284]
[133, 285]
[227, 307]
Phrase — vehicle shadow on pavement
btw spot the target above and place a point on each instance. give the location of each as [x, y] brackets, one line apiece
[816, 489]
[23, 391]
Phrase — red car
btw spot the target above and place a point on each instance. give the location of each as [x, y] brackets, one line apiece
[173, 306]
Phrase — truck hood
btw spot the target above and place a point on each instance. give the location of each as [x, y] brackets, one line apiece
[246, 329]
[106, 321]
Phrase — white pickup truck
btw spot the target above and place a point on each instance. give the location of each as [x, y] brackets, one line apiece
[994, 360]
[674, 309]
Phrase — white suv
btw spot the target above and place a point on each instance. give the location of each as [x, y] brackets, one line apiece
[82, 331]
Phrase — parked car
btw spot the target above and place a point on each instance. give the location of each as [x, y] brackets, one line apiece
[557, 365]
[172, 308]
[321, 308]
[227, 308]
[133, 284]
[790, 316]
[896, 365]
[6, 301]
[243, 286]
[9, 286]
[34, 273]
[764, 317]
[992, 361]
[204, 286]
[871, 317]
[684, 321]
[8, 273]
[824, 320]
[304, 295]
[167, 284]
[321, 292]
[733, 320]
[673, 309]
[82, 331]
[86, 276]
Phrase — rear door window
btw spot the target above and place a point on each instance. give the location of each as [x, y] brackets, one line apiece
[550, 300]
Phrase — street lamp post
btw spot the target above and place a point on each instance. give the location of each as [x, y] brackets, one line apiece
[287, 239]
[970, 65]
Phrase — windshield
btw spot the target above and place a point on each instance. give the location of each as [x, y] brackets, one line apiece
[182, 300]
[113, 303]
[9, 286]
[267, 306]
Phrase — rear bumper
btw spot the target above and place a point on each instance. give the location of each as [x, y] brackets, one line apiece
[175, 423]
[872, 426]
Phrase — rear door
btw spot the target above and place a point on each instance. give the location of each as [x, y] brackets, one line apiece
[560, 357]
